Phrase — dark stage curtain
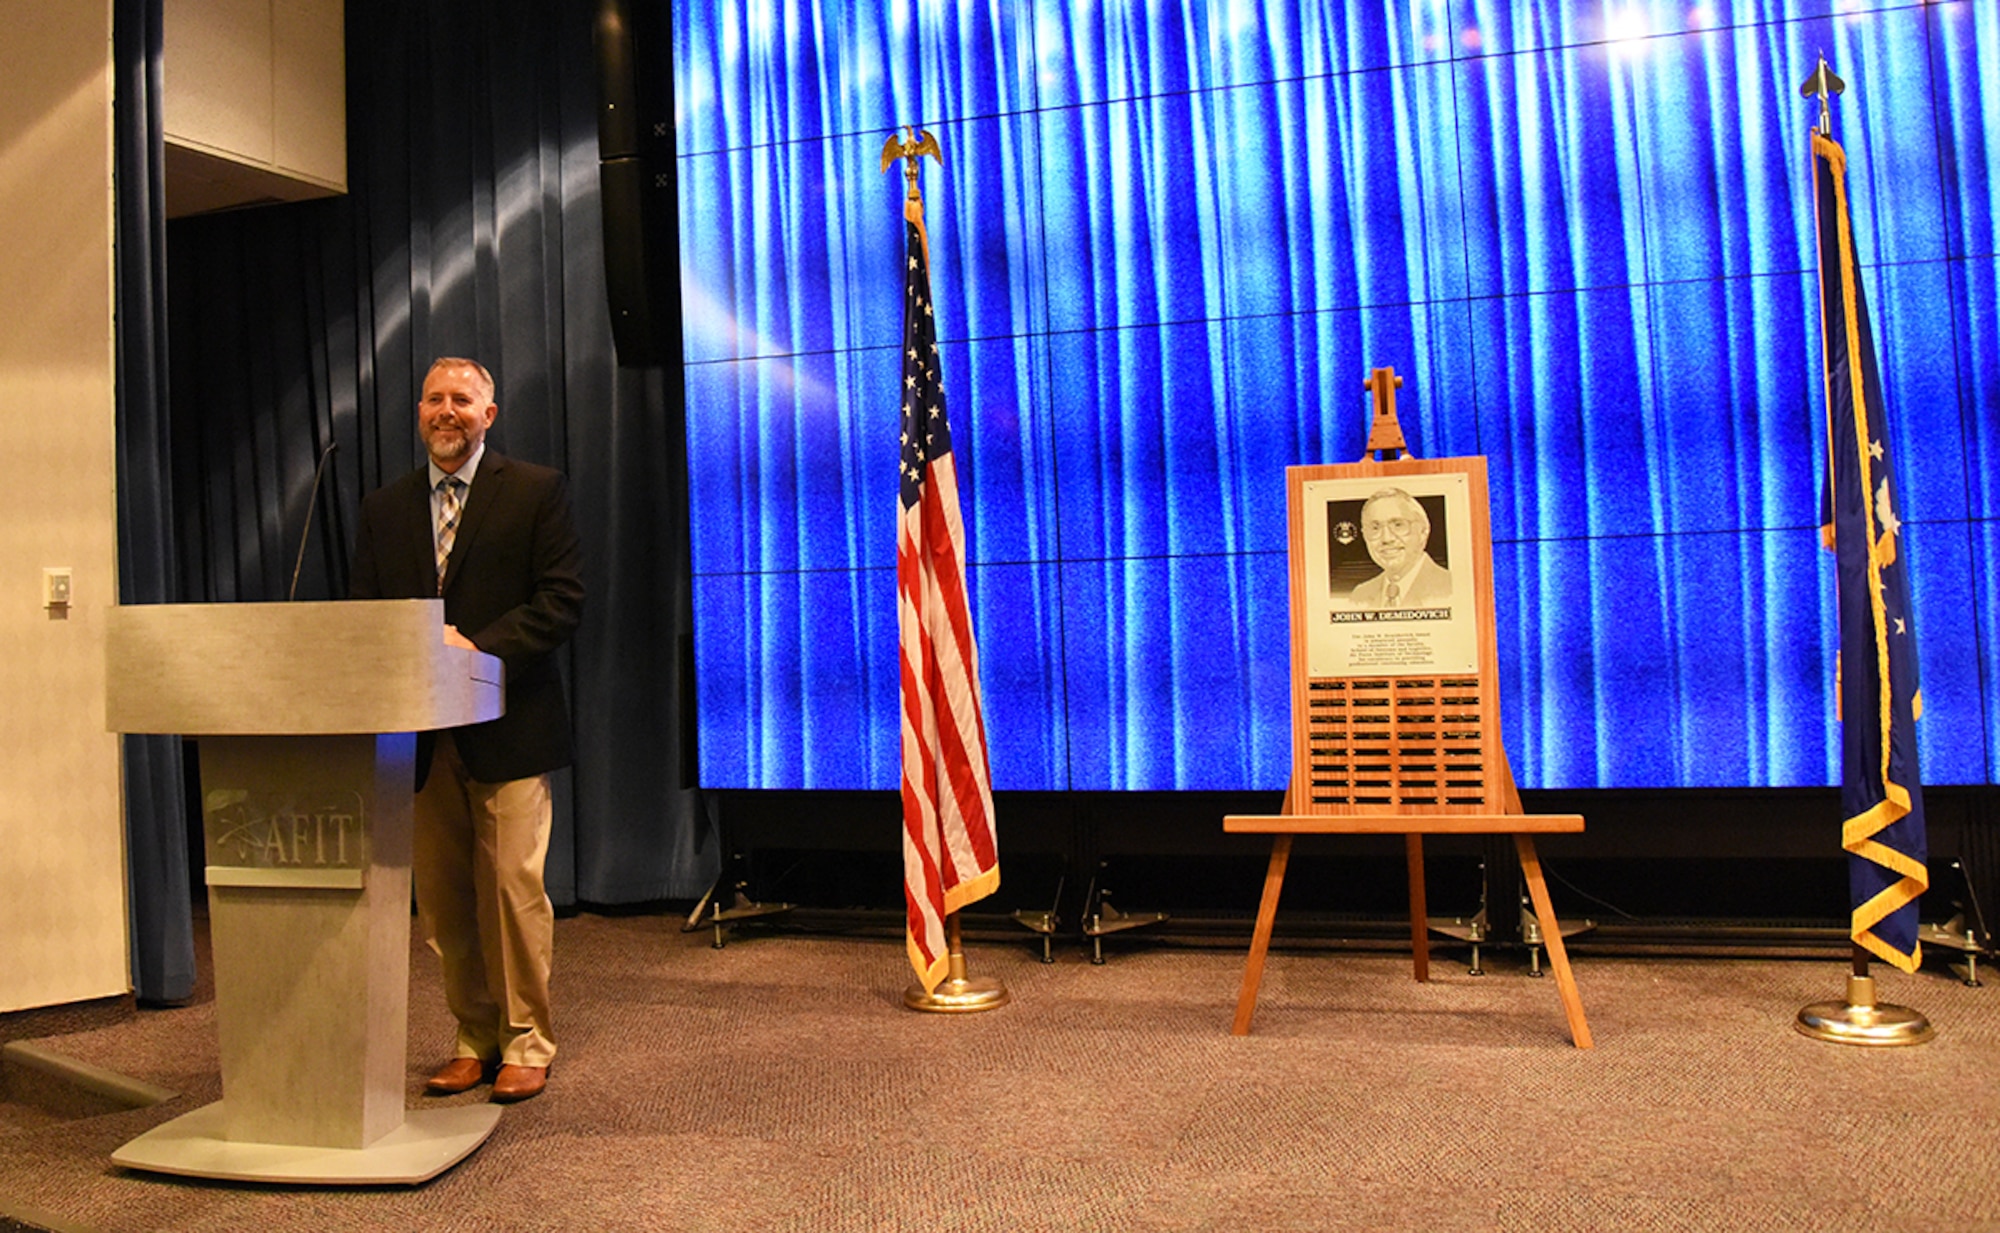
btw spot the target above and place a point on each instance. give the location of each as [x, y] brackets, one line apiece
[155, 822]
[471, 227]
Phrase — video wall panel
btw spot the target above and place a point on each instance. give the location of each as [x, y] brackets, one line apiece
[1975, 333]
[1961, 44]
[1359, 203]
[1169, 241]
[1160, 678]
[1985, 614]
[1747, 462]
[1550, 174]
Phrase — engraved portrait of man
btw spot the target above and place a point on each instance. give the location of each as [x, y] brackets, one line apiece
[1397, 533]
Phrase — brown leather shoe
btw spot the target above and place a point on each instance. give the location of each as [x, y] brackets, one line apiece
[519, 1082]
[460, 1074]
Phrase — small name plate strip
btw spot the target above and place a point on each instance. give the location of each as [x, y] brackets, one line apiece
[303, 879]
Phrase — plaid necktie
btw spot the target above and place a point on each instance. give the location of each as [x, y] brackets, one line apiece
[451, 500]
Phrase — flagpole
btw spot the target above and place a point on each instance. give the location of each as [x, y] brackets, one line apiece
[957, 992]
[1858, 1019]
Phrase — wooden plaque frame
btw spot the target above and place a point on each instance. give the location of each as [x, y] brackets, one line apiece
[1426, 742]
[1411, 752]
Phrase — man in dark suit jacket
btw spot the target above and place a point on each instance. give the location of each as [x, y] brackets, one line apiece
[493, 537]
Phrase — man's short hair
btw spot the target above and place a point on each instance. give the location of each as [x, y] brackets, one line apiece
[459, 361]
[1384, 494]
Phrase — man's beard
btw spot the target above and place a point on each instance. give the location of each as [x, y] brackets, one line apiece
[447, 442]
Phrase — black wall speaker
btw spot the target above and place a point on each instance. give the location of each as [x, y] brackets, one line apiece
[636, 180]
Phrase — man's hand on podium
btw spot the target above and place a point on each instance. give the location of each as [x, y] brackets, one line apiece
[453, 638]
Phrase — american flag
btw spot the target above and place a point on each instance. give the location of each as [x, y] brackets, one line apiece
[1882, 802]
[949, 858]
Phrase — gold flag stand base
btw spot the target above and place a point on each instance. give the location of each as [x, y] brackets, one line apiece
[1860, 1020]
[956, 993]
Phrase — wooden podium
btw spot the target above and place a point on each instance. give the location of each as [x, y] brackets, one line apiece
[307, 714]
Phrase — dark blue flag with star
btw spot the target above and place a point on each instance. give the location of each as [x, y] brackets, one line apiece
[1882, 801]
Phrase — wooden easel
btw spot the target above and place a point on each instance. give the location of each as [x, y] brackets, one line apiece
[1408, 755]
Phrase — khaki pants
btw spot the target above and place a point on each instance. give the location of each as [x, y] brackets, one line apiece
[477, 865]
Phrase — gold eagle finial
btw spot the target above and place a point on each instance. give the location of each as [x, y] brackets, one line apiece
[918, 143]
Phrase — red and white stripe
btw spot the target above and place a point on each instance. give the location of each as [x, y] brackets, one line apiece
[949, 856]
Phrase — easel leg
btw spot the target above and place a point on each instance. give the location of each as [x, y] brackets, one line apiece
[1260, 942]
[1538, 894]
[1420, 933]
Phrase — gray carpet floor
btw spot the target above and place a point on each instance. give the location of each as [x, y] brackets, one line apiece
[780, 1084]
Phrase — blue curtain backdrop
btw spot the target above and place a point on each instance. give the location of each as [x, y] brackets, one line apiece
[156, 841]
[1170, 240]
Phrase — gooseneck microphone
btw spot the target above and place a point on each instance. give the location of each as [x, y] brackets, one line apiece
[319, 473]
